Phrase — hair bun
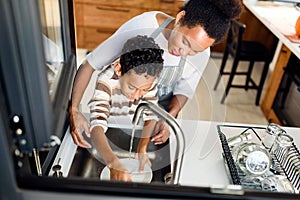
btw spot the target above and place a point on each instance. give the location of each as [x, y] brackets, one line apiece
[230, 8]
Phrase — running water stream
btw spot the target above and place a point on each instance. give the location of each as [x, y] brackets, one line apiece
[131, 141]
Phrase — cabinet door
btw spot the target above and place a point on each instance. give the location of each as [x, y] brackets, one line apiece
[96, 20]
[273, 84]
[91, 37]
[103, 16]
[124, 3]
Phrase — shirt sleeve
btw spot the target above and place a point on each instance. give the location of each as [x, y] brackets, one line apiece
[110, 49]
[192, 73]
[99, 104]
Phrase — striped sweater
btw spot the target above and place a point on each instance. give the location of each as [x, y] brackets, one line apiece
[108, 100]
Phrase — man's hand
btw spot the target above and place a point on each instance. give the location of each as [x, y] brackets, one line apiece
[162, 132]
[78, 124]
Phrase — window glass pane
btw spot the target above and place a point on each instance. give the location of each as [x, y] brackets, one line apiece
[52, 40]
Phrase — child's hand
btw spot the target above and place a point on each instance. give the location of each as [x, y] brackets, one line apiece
[119, 173]
[162, 132]
[144, 159]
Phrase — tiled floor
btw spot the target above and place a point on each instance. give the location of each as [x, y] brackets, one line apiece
[239, 106]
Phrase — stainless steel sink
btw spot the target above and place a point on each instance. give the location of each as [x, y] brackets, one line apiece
[87, 163]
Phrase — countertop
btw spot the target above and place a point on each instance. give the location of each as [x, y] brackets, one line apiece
[280, 18]
[203, 164]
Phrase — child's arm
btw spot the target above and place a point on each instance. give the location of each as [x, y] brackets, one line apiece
[117, 170]
[144, 142]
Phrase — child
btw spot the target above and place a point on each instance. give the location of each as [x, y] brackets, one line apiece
[119, 89]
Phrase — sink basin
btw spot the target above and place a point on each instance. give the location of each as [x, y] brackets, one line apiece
[132, 165]
[88, 163]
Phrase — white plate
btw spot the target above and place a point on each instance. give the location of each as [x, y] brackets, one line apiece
[132, 165]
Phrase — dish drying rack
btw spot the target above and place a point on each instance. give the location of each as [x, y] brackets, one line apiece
[287, 166]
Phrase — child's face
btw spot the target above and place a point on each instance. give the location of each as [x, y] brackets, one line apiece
[134, 86]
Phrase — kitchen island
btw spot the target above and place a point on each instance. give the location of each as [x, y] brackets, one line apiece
[203, 163]
[280, 18]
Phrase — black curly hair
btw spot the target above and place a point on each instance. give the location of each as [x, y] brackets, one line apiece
[142, 55]
[213, 15]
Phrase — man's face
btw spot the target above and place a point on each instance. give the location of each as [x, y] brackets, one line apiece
[184, 41]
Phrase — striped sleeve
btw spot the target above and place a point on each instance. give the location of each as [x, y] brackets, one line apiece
[99, 105]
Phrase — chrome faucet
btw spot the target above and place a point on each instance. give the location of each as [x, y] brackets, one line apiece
[177, 131]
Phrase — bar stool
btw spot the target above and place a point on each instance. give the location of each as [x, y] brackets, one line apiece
[241, 50]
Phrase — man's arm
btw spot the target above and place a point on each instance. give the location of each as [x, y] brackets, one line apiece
[177, 103]
[78, 123]
[162, 129]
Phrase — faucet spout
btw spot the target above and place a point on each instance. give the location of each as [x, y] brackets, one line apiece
[180, 146]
